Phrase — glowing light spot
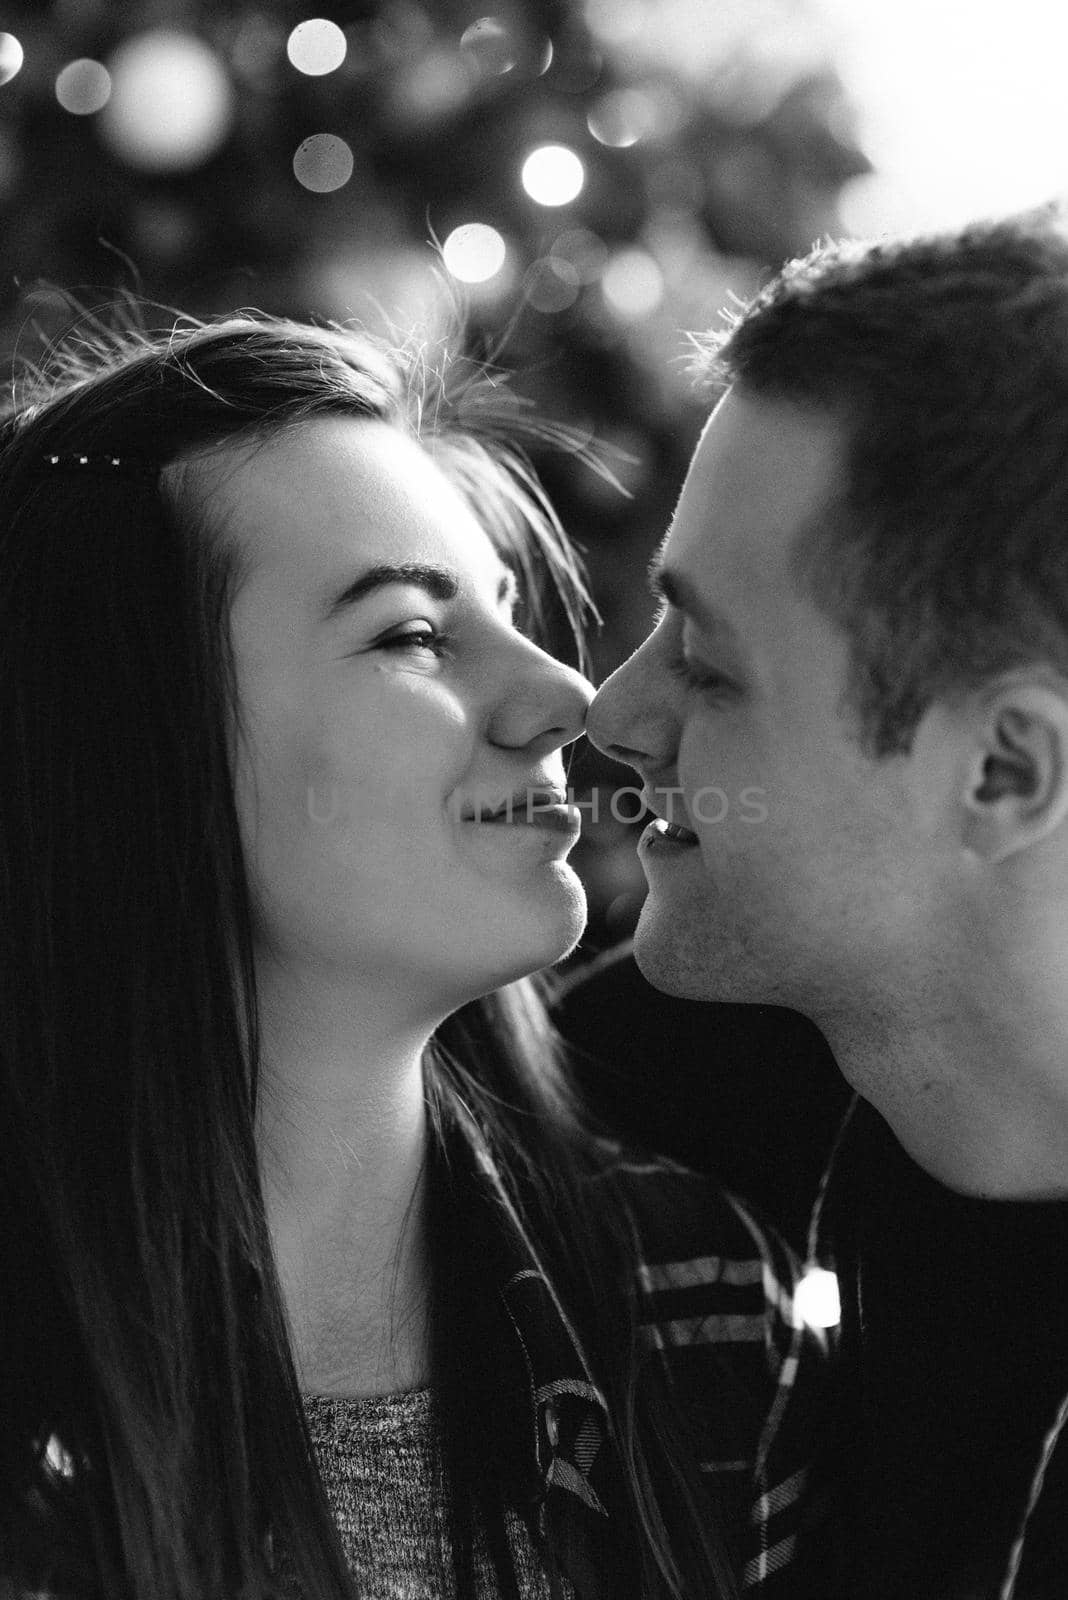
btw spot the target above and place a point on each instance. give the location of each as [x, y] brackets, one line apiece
[622, 117]
[11, 57]
[491, 45]
[59, 1457]
[553, 175]
[474, 252]
[633, 284]
[171, 102]
[83, 87]
[584, 250]
[316, 47]
[551, 285]
[543, 58]
[433, 86]
[816, 1299]
[617, 21]
[323, 163]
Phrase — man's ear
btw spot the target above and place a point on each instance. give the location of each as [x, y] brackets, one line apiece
[1016, 788]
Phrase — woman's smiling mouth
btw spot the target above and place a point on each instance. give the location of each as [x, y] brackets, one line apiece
[529, 809]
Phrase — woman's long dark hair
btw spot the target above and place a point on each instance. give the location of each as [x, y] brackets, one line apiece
[152, 1439]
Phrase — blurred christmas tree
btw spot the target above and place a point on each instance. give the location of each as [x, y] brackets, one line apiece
[600, 177]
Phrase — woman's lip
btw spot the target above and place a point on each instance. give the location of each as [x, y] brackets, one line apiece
[560, 818]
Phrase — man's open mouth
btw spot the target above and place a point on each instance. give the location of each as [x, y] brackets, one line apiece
[673, 832]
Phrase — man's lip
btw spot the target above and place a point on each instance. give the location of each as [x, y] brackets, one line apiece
[669, 822]
[671, 832]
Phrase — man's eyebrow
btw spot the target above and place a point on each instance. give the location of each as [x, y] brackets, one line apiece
[440, 583]
[679, 592]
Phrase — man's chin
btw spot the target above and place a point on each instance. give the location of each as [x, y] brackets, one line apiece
[696, 969]
[673, 970]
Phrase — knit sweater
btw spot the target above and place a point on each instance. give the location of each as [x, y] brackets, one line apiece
[382, 1467]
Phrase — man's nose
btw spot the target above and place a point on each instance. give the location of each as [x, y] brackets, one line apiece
[626, 721]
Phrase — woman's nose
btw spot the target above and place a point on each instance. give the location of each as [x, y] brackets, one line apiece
[543, 705]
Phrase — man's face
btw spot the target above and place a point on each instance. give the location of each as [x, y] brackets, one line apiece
[806, 874]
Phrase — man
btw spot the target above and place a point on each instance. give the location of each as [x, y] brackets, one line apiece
[851, 720]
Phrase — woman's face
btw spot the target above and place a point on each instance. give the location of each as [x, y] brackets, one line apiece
[383, 711]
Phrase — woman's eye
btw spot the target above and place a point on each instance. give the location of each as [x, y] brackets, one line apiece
[421, 637]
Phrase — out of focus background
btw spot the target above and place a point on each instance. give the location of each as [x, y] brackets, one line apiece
[594, 176]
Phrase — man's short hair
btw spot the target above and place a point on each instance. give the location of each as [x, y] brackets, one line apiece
[945, 556]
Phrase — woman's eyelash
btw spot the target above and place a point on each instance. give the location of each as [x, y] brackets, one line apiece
[420, 638]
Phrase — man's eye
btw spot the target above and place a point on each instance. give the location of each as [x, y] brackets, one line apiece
[420, 637]
[697, 677]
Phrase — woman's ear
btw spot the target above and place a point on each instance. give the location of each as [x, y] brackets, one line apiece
[1016, 786]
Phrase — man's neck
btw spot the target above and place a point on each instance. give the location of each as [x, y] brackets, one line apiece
[983, 1111]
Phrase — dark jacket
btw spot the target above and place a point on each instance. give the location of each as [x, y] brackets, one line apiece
[954, 1474]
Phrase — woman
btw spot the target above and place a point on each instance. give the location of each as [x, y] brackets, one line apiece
[316, 1284]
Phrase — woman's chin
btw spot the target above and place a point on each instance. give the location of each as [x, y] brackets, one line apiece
[535, 937]
[568, 925]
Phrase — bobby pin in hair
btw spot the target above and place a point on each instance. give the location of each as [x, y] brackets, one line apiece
[123, 466]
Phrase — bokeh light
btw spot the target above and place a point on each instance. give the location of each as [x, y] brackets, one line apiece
[817, 1302]
[622, 117]
[493, 46]
[432, 87]
[585, 252]
[10, 57]
[316, 47]
[633, 284]
[542, 57]
[59, 1457]
[83, 87]
[384, 285]
[490, 44]
[551, 285]
[553, 175]
[474, 252]
[617, 22]
[323, 163]
[171, 102]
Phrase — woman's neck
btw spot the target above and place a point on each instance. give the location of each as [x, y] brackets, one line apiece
[342, 1140]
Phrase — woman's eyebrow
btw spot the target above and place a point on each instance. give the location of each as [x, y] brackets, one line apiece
[440, 583]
